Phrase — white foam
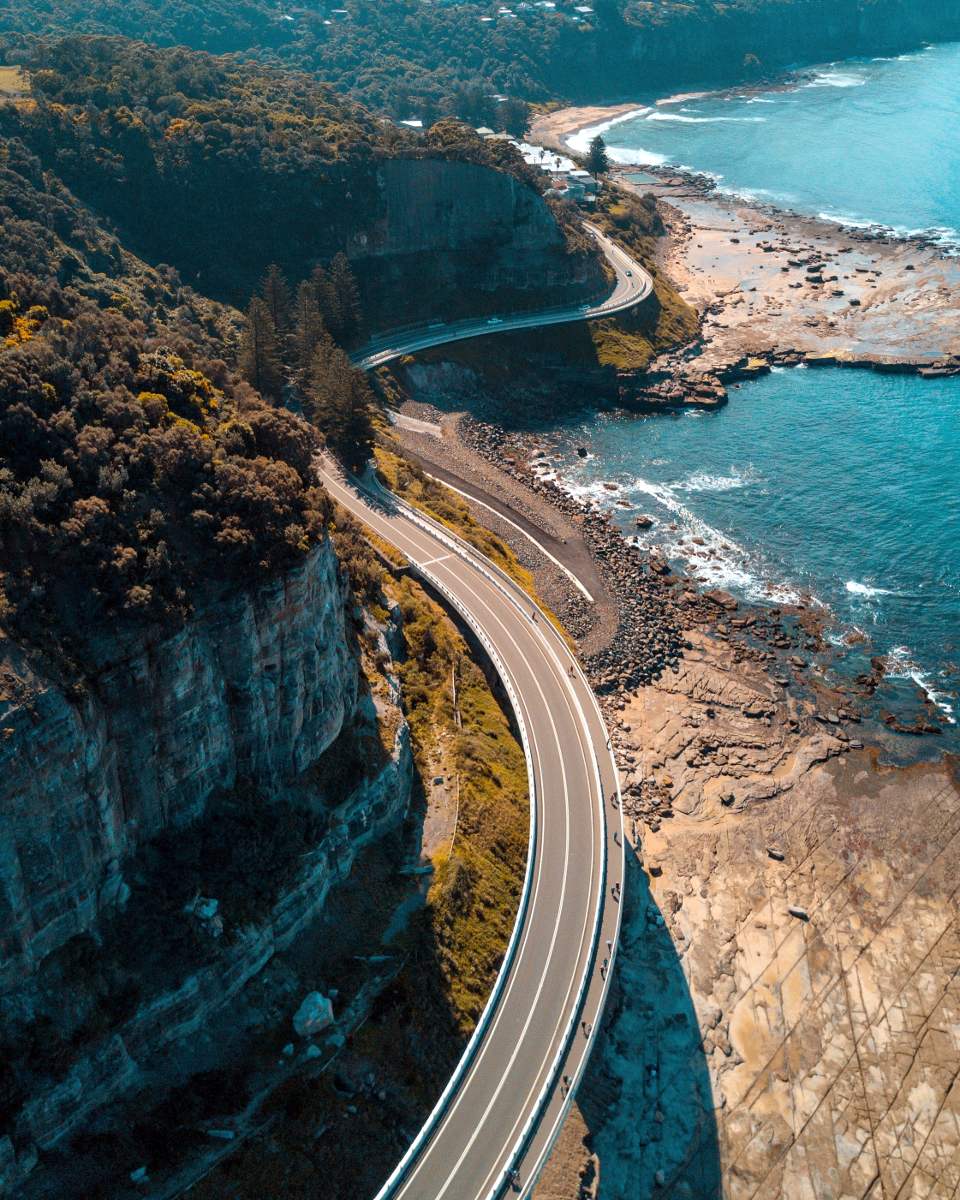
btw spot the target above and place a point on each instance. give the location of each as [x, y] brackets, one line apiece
[719, 561]
[702, 481]
[901, 665]
[580, 141]
[864, 589]
[836, 79]
[631, 156]
[666, 116]
[944, 236]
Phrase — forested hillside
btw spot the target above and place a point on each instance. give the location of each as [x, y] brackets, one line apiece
[136, 464]
[216, 167]
[414, 59]
[145, 196]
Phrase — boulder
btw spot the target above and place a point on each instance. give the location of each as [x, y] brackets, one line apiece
[723, 600]
[313, 1015]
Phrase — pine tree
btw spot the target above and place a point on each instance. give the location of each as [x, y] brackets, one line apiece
[259, 354]
[327, 300]
[348, 298]
[339, 403]
[276, 295]
[309, 328]
[598, 162]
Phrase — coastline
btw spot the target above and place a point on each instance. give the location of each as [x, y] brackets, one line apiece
[777, 287]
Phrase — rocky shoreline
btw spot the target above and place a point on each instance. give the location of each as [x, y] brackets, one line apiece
[775, 860]
[776, 288]
[784, 1019]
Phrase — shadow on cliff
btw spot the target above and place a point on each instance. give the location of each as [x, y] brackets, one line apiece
[646, 1097]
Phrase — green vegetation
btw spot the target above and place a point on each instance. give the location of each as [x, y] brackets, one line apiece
[631, 341]
[597, 162]
[216, 167]
[474, 896]
[131, 474]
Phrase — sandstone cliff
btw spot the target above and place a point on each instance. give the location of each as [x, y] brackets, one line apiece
[256, 751]
[472, 239]
[254, 688]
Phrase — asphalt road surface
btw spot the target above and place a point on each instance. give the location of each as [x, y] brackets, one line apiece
[504, 1106]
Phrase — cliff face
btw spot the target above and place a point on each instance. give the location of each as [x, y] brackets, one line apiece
[471, 239]
[254, 689]
[265, 744]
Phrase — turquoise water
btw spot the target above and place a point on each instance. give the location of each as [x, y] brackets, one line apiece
[864, 142]
[833, 486]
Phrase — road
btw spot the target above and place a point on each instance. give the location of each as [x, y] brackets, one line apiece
[633, 285]
[505, 1104]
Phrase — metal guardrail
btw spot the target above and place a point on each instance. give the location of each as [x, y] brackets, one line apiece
[398, 1175]
[508, 589]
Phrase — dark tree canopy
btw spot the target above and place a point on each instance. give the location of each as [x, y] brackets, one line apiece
[598, 162]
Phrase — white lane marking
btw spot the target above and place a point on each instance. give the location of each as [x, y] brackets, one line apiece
[529, 536]
[431, 561]
[392, 522]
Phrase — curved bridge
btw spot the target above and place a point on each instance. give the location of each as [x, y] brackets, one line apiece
[495, 1123]
[633, 285]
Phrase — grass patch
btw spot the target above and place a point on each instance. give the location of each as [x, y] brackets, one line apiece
[473, 900]
[632, 340]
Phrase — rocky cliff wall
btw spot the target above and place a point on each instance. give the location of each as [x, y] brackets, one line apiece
[470, 239]
[254, 689]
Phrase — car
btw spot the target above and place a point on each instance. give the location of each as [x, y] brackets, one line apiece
[585, 307]
[495, 320]
[629, 274]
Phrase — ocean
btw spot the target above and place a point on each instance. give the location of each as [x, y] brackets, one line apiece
[834, 487]
[840, 488]
[863, 142]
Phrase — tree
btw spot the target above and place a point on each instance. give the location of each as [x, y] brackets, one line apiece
[276, 295]
[348, 298]
[327, 301]
[259, 355]
[308, 325]
[338, 401]
[598, 162]
[513, 115]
